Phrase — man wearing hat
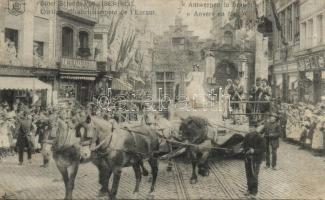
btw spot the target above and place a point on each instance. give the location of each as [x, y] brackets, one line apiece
[272, 134]
[254, 148]
[24, 139]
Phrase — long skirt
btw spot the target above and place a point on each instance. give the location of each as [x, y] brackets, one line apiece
[318, 138]
[5, 137]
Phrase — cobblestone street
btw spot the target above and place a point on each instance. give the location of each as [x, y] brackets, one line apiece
[300, 177]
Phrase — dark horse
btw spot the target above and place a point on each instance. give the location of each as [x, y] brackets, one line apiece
[114, 148]
[199, 135]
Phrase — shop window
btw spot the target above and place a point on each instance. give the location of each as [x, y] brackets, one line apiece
[67, 42]
[67, 90]
[21, 93]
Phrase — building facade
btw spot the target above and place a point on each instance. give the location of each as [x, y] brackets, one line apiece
[298, 68]
[282, 58]
[175, 54]
[54, 46]
[310, 56]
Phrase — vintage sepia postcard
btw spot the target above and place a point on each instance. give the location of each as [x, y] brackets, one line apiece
[162, 99]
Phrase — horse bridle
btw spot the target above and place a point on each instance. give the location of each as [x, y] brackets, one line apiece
[108, 137]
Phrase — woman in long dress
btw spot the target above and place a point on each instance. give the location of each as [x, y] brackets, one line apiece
[318, 136]
[5, 135]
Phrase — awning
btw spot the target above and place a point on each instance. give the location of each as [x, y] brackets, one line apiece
[118, 84]
[86, 78]
[22, 83]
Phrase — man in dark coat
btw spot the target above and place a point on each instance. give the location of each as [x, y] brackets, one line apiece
[24, 137]
[272, 134]
[254, 148]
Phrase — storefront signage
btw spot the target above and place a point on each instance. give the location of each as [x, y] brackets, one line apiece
[311, 62]
[74, 63]
[13, 71]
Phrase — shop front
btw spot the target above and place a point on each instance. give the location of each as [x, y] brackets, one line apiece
[76, 81]
[76, 87]
[312, 77]
[285, 82]
[26, 85]
[26, 90]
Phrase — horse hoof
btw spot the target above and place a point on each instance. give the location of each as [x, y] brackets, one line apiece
[102, 194]
[136, 191]
[145, 173]
[193, 181]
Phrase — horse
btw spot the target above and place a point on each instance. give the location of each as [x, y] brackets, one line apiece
[67, 154]
[200, 135]
[114, 148]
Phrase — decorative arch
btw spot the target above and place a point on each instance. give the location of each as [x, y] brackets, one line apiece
[228, 37]
[225, 69]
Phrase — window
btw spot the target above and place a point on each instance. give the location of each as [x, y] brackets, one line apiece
[178, 43]
[98, 44]
[228, 37]
[38, 49]
[296, 22]
[289, 23]
[11, 38]
[282, 22]
[67, 42]
[304, 35]
[160, 76]
[279, 32]
[310, 32]
[83, 39]
[169, 76]
[319, 29]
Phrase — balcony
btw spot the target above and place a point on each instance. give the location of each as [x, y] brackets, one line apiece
[78, 64]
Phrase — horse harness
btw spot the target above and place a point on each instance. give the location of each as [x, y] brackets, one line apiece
[108, 139]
